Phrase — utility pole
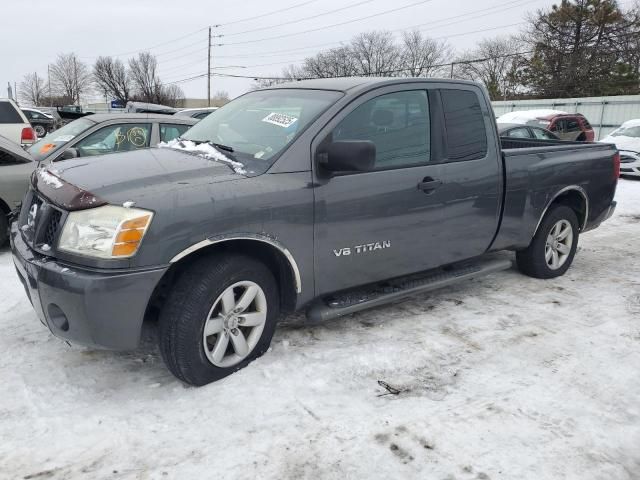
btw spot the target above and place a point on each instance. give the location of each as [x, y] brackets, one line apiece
[49, 80]
[209, 70]
[75, 79]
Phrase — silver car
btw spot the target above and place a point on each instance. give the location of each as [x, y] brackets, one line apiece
[88, 136]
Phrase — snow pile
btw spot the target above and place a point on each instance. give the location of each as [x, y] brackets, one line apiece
[206, 150]
[526, 116]
[48, 178]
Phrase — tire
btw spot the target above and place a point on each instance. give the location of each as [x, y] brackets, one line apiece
[40, 130]
[200, 294]
[534, 260]
[4, 228]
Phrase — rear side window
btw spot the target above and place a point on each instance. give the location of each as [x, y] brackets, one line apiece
[8, 114]
[573, 125]
[542, 134]
[466, 132]
[171, 131]
[397, 124]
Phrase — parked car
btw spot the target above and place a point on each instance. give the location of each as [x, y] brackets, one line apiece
[329, 196]
[567, 126]
[198, 113]
[627, 139]
[98, 134]
[14, 125]
[41, 122]
[515, 130]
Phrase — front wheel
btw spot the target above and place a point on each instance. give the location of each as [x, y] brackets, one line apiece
[553, 247]
[220, 315]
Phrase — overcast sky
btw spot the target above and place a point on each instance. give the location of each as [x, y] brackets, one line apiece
[34, 32]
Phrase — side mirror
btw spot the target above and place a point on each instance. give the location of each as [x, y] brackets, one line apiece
[69, 153]
[350, 156]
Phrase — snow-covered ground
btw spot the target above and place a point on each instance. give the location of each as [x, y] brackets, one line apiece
[504, 377]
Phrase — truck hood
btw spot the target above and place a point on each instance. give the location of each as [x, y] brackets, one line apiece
[131, 176]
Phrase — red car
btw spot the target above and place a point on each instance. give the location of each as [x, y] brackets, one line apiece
[568, 126]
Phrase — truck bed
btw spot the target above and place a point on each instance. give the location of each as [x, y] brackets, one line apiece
[536, 170]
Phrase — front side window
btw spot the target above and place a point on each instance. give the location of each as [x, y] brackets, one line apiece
[464, 121]
[259, 125]
[115, 138]
[169, 131]
[397, 124]
[518, 133]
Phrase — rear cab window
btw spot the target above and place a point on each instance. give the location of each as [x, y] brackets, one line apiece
[466, 133]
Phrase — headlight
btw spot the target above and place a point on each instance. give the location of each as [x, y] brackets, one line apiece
[105, 232]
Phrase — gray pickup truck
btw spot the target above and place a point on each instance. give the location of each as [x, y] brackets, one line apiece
[329, 195]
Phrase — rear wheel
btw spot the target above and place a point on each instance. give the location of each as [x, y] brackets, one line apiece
[220, 315]
[40, 130]
[553, 247]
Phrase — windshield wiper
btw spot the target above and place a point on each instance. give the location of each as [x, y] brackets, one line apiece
[219, 146]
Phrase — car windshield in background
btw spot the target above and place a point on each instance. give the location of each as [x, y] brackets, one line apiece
[627, 132]
[259, 125]
[47, 145]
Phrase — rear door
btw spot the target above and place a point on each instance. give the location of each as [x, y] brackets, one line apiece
[471, 173]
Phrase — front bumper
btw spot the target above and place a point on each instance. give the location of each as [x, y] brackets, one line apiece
[96, 308]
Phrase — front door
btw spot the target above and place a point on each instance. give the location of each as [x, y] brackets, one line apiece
[397, 218]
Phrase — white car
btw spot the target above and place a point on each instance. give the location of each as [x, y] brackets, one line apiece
[14, 125]
[627, 139]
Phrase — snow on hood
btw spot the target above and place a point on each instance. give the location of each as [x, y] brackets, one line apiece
[49, 178]
[206, 150]
[526, 116]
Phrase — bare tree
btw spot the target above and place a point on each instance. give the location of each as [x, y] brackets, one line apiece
[32, 89]
[70, 77]
[495, 62]
[376, 54]
[336, 62]
[110, 77]
[171, 95]
[290, 73]
[144, 76]
[423, 56]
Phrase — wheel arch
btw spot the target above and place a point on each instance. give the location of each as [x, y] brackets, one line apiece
[274, 255]
[574, 197]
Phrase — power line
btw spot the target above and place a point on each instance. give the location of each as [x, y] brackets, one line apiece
[291, 22]
[262, 15]
[518, 3]
[330, 26]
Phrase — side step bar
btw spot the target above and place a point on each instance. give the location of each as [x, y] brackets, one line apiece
[351, 301]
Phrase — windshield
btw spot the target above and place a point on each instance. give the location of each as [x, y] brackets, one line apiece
[633, 131]
[54, 140]
[260, 124]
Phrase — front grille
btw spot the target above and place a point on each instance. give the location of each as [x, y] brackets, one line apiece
[52, 227]
[40, 223]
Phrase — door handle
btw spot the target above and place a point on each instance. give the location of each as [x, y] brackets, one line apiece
[428, 184]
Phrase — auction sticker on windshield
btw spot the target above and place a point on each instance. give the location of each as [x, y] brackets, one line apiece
[281, 119]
